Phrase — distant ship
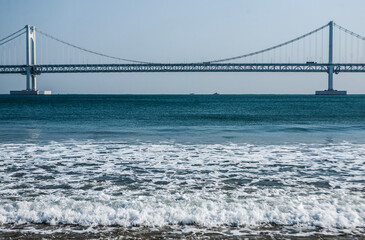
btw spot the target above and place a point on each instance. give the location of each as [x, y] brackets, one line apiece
[215, 93]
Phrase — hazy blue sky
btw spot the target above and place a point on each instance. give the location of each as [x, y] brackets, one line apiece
[181, 31]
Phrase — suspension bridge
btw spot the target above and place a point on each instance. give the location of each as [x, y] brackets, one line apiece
[320, 50]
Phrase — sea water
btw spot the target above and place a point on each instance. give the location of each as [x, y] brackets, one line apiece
[182, 166]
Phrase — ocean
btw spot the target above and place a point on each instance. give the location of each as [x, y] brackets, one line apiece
[182, 167]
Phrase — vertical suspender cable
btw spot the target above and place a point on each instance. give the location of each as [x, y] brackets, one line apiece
[63, 52]
[352, 52]
[322, 58]
[274, 55]
[315, 47]
[346, 48]
[9, 56]
[280, 54]
[14, 53]
[298, 52]
[340, 46]
[304, 50]
[357, 50]
[40, 41]
[286, 53]
[363, 52]
[46, 53]
[262, 57]
[310, 47]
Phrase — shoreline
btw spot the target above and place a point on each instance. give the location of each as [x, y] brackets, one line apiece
[46, 231]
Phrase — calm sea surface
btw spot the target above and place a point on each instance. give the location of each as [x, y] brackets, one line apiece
[182, 166]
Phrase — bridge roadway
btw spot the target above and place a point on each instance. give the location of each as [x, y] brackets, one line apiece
[189, 67]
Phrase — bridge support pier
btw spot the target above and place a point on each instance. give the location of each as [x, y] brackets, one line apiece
[31, 78]
[34, 82]
[330, 90]
[330, 69]
[330, 78]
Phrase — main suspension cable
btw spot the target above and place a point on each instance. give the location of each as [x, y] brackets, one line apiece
[271, 48]
[89, 51]
[349, 32]
[11, 38]
[12, 34]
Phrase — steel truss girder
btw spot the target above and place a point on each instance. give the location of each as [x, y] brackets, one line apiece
[216, 67]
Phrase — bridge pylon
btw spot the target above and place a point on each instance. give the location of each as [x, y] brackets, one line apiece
[330, 68]
[31, 78]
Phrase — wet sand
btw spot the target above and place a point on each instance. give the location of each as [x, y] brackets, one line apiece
[44, 231]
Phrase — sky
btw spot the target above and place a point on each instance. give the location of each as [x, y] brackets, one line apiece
[181, 31]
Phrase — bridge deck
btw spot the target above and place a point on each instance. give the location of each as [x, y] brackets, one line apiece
[226, 67]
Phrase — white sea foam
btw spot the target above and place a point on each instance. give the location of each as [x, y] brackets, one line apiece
[107, 183]
[328, 211]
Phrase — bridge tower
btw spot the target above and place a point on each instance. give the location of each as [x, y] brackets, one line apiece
[31, 78]
[30, 57]
[330, 68]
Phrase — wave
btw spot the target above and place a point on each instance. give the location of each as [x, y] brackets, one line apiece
[337, 210]
[162, 184]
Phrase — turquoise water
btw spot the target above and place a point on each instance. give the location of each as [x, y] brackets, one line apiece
[241, 164]
[184, 118]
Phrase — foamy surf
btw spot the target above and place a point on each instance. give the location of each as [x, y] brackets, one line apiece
[105, 184]
[337, 210]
